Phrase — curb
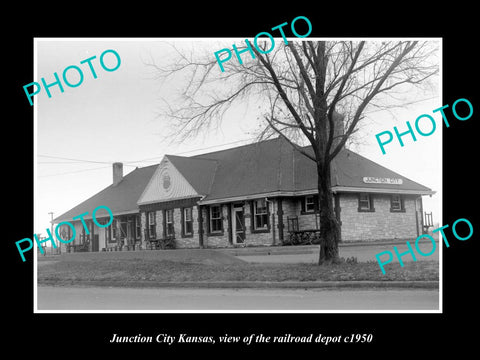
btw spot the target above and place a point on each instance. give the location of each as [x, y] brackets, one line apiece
[252, 284]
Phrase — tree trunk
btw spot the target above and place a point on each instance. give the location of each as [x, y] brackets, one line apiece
[329, 225]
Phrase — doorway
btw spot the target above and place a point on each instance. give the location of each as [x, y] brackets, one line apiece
[238, 224]
[95, 243]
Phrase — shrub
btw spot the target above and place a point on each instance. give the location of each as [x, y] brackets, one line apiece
[167, 243]
[349, 260]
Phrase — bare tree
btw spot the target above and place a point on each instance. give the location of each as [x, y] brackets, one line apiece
[307, 86]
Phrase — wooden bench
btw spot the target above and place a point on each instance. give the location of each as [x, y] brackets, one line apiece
[300, 237]
[428, 222]
[161, 243]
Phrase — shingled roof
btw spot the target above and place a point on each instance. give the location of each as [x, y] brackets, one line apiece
[199, 172]
[121, 199]
[251, 169]
[348, 172]
[276, 167]
[271, 167]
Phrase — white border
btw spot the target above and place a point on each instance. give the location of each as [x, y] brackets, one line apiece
[440, 289]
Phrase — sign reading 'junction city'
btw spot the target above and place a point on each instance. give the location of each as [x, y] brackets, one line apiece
[377, 180]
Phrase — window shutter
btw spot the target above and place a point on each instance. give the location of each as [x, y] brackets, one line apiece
[164, 225]
[208, 219]
[268, 215]
[252, 216]
[182, 220]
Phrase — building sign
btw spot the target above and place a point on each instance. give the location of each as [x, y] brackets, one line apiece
[377, 180]
[166, 181]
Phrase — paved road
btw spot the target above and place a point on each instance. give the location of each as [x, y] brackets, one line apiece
[92, 298]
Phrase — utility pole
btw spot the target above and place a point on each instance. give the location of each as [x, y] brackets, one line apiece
[51, 225]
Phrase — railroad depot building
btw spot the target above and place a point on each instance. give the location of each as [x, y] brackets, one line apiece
[257, 194]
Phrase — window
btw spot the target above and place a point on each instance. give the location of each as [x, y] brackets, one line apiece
[138, 227]
[310, 204]
[170, 231]
[365, 202]
[111, 232]
[216, 219]
[151, 225]
[65, 233]
[114, 230]
[187, 222]
[260, 215]
[82, 236]
[396, 203]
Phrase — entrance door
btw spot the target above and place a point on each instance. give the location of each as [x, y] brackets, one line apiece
[95, 243]
[238, 225]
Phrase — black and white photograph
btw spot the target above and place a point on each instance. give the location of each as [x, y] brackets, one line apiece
[181, 181]
[284, 183]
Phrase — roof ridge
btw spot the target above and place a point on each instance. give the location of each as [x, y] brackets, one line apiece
[190, 158]
[235, 148]
[185, 164]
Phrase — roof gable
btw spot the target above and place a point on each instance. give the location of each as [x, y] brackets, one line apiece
[198, 172]
[167, 183]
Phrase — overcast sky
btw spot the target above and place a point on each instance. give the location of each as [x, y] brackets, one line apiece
[114, 118]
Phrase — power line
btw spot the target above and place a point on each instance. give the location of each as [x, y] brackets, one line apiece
[126, 163]
[214, 146]
[60, 162]
[144, 160]
[71, 163]
[189, 151]
[79, 160]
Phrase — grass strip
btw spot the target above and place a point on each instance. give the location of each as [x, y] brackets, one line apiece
[145, 270]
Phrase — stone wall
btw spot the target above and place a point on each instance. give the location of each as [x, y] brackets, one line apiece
[260, 238]
[143, 222]
[380, 224]
[356, 226]
[159, 224]
[187, 241]
[216, 240]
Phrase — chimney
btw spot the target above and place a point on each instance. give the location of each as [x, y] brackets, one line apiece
[117, 173]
